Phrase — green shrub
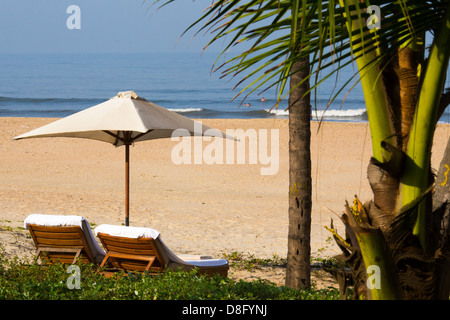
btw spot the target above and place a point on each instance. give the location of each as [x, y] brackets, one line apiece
[28, 281]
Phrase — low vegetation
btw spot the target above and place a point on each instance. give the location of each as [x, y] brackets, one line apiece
[21, 280]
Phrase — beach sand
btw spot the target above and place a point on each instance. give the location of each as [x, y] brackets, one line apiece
[207, 209]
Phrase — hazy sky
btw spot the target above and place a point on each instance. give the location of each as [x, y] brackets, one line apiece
[30, 26]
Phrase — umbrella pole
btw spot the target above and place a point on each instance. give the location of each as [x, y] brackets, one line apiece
[127, 184]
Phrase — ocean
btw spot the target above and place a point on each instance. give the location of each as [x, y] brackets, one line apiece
[57, 85]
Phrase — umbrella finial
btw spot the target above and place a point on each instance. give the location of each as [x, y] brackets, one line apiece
[129, 95]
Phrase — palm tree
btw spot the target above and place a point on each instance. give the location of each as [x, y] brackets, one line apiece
[298, 271]
[398, 234]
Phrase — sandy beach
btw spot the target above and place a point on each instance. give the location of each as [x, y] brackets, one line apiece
[206, 209]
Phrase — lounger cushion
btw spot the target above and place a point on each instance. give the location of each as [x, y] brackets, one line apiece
[208, 262]
[127, 232]
[68, 220]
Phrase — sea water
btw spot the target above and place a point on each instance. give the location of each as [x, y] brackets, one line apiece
[57, 85]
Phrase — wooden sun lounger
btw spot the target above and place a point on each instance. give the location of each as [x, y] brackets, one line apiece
[65, 244]
[151, 255]
[131, 254]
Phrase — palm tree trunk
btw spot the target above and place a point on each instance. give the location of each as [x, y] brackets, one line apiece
[299, 248]
[442, 189]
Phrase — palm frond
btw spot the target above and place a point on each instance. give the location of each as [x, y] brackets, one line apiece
[276, 29]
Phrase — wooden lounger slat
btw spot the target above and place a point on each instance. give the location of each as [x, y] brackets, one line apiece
[63, 229]
[126, 240]
[139, 245]
[132, 251]
[126, 244]
[64, 259]
[56, 235]
[60, 242]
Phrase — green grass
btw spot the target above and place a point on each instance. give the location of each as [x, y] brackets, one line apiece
[21, 280]
[240, 260]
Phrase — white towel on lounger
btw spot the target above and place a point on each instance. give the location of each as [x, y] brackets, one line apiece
[49, 220]
[127, 232]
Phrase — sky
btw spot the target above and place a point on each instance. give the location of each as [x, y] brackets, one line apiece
[114, 26]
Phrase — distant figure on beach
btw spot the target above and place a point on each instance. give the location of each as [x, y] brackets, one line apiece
[263, 99]
[247, 104]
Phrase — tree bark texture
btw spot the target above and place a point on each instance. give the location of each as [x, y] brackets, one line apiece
[299, 239]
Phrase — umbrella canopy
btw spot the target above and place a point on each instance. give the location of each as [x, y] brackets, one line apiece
[122, 120]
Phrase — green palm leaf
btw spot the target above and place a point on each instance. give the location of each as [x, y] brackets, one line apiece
[275, 28]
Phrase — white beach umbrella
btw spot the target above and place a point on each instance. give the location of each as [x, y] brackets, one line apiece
[122, 120]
